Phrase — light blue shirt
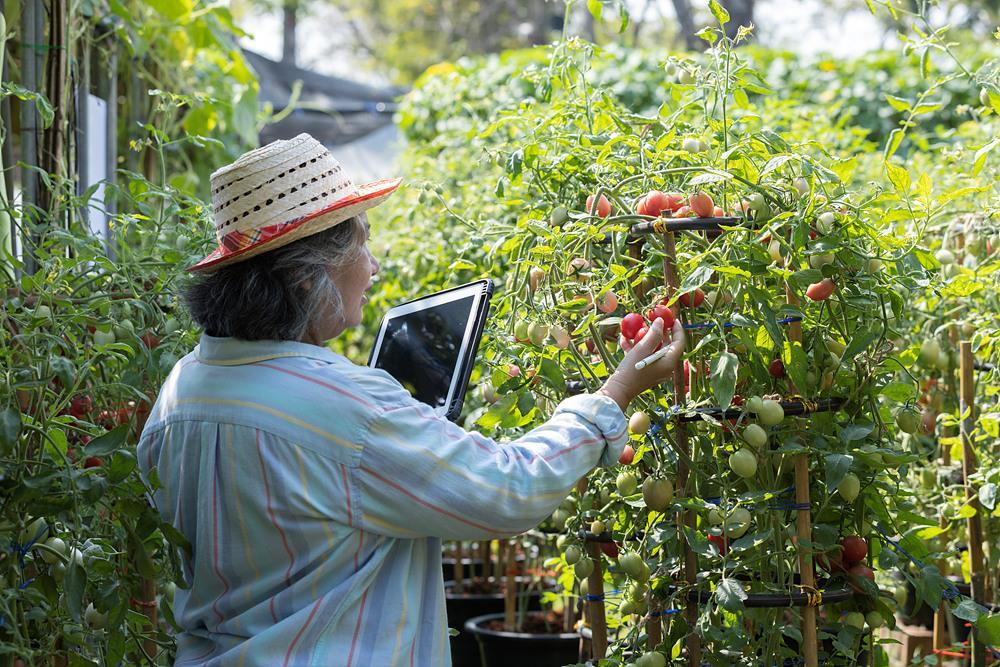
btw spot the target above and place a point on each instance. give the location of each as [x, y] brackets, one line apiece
[316, 492]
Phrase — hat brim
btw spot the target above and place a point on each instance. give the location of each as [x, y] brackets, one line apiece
[368, 196]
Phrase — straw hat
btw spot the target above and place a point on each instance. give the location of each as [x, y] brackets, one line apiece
[280, 193]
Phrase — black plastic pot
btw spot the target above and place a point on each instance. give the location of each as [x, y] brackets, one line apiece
[502, 649]
[463, 606]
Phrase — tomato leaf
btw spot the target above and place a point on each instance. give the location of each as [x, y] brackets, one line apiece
[853, 432]
[837, 465]
[730, 594]
[109, 442]
[900, 392]
[859, 344]
[595, 7]
[988, 495]
[10, 429]
[75, 583]
[719, 12]
[748, 542]
[724, 370]
[697, 542]
[796, 362]
[988, 628]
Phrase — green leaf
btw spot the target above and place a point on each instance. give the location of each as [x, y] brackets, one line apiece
[109, 442]
[595, 7]
[844, 169]
[988, 495]
[837, 465]
[988, 628]
[898, 176]
[979, 161]
[719, 12]
[892, 144]
[796, 362]
[697, 542]
[748, 542]
[730, 594]
[859, 344]
[724, 370]
[901, 392]
[898, 103]
[853, 432]
[74, 584]
[10, 429]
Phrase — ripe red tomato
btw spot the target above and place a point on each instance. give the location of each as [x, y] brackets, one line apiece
[150, 340]
[674, 202]
[717, 212]
[822, 290]
[80, 406]
[656, 202]
[603, 206]
[702, 205]
[92, 462]
[610, 549]
[720, 542]
[683, 212]
[641, 333]
[659, 311]
[631, 324]
[640, 208]
[627, 455]
[833, 562]
[777, 368]
[692, 299]
[854, 549]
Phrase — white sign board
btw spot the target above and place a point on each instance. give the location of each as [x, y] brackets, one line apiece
[96, 157]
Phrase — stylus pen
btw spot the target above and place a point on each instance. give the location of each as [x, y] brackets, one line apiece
[642, 363]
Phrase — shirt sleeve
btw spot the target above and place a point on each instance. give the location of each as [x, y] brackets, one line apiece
[421, 475]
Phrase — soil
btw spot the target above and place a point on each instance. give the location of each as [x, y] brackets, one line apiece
[537, 623]
[477, 587]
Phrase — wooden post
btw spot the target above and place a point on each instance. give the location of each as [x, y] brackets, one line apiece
[510, 588]
[685, 517]
[941, 639]
[149, 610]
[30, 79]
[595, 605]
[803, 524]
[968, 424]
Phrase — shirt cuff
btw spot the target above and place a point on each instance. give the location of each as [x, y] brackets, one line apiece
[603, 412]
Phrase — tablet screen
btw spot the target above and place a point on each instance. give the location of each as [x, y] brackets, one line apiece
[422, 344]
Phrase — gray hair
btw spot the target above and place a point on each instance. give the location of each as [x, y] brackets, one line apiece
[278, 294]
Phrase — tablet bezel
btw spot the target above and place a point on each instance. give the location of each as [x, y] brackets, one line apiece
[481, 291]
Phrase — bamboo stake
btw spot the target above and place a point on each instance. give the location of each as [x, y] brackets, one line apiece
[6, 231]
[595, 604]
[149, 610]
[510, 588]
[30, 38]
[940, 637]
[686, 517]
[803, 525]
[968, 423]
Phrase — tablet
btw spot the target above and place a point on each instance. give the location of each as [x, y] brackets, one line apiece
[429, 344]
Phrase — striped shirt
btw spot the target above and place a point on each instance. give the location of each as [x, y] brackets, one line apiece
[316, 492]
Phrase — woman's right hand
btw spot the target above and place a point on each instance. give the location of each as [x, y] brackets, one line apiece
[626, 382]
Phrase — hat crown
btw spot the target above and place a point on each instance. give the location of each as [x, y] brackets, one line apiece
[276, 183]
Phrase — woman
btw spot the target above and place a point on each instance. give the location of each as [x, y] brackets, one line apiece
[314, 492]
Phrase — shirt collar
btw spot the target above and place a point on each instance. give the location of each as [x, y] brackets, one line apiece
[236, 352]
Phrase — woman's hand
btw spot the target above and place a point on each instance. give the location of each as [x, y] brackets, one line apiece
[626, 382]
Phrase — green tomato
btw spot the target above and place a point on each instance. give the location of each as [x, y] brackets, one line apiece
[855, 619]
[743, 463]
[930, 350]
[597, 527]
[558, 216]
[737, 523]
[657, 493]
[651, 659]
[102, 338]
[874, 620]
[755, 404]
[572, 554]
[771, 413]
[849, 487]
[583, 567]
[626, 483]
[56, 548]
[94, 619]
[908, 420]
[631, 564]
[537, 333]
[34, 531]
[42, 312]
[755, 436]
[521, 330]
